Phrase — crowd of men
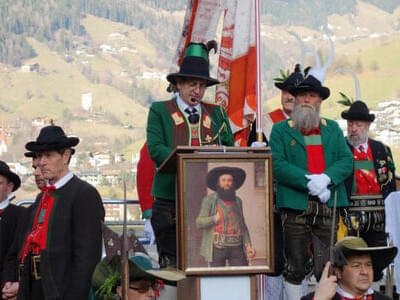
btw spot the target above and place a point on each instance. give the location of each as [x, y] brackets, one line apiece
[50, 249]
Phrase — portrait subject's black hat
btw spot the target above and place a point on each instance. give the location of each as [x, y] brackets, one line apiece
[52, 138]
[358, 111]
[293, 80]
[11, 176]
[195, 63]
[238, 174]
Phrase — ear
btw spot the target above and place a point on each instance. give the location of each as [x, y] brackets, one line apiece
[119, 291]
[10, 187]
[338, 273]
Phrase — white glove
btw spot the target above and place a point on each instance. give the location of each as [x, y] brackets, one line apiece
[317, 183]
[258, 144]
[148, 231]
[324, 196]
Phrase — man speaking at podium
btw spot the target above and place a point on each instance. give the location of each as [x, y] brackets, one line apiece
[182, 120]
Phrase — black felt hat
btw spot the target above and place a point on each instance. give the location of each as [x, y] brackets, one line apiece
[311, 84]
[293, 80]
[358, 111]
[238, 174]
[51, 138]
[194, 64]
[350, 245]
[6, 172]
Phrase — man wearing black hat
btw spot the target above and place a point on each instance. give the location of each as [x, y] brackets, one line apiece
[10, 289]
[62, 240]
[354, 268]
[10, 214]
[287, 102]
[183, 120]
[310, 162]
[225, 233]
[372, 180]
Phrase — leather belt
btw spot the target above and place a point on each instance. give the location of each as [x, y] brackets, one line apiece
[35, 267]
[366, 203]
[221, 240]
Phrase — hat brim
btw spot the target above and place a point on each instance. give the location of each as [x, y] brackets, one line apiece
[14, 178]
[381, 256]
[66, 143]
[30, 154]
[282, 86]
[323, 91]
[210, 81]
[238, 174]
[354, 116]
[106, 268]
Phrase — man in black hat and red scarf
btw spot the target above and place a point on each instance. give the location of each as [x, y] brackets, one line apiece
[62, 241]
[372, 179]
[10, 214]
[183, 120]
[225, 233]
[310, 162]
[287, 102]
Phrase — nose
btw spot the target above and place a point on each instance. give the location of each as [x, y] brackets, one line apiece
[151, 292]
[364, 269]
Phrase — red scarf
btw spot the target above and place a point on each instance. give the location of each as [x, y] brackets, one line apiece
[37, 238]
[315, 152]
[365, 179]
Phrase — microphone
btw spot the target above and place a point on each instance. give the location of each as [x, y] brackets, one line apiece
[212, 121]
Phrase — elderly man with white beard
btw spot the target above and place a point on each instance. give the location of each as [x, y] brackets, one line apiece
[310, 162]
[372, 180]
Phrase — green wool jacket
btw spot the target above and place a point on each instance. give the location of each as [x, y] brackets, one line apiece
[290, 163]
[168, 127]
[205, 221]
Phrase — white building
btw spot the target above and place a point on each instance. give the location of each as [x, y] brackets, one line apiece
[3, 140]
[87, 99]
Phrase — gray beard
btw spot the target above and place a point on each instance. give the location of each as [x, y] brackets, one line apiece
[305, 118]
[355, 141]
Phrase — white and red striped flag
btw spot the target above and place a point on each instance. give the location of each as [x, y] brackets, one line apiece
[237, 67]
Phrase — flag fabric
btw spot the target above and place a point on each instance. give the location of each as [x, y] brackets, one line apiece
[237, 56]
[199, 26]
[237, 67]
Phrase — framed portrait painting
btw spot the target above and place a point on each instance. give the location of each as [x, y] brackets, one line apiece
[225, 215]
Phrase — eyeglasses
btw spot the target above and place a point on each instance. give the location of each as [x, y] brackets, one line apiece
[143, 286]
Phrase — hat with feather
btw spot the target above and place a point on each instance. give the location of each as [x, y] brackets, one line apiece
[196, 63]
[314, 79]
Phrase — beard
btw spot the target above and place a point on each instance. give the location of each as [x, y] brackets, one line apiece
[305, 117]
[356, 140]
[227, 195]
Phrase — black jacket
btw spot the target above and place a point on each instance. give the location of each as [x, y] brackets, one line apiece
[74, 243]
[8, 223]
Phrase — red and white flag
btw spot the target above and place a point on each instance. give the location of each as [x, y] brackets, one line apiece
[237, 67]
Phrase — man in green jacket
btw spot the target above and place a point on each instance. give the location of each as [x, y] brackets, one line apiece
[310, 163]
[225, 233]
[183, 120]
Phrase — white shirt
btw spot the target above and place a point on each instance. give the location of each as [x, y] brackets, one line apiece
[183, 105]
[350, 296]
[5, 203]
[62, 181]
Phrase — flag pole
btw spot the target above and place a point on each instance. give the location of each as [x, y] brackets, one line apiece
[258, 68]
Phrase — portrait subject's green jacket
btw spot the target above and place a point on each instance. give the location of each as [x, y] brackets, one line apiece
[289, 157]
[168, 127]
[206, 221]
